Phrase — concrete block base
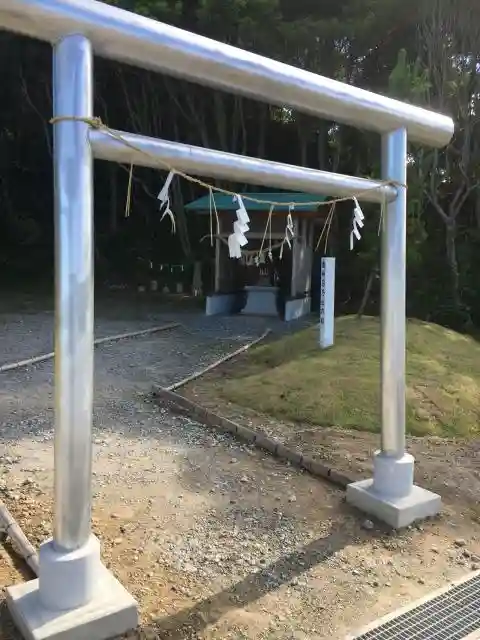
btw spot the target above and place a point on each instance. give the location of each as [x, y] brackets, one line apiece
[398, 512]
[261, 301]
[295, 309]
[220, 304]
[74, 598]
[111, 613]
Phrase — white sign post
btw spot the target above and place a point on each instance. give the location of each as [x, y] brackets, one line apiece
[327, 303]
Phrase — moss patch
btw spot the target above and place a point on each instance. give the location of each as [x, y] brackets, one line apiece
[294, 380]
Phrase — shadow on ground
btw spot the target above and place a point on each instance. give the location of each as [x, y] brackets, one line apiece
[190, 622]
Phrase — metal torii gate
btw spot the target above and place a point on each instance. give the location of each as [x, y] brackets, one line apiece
[75, 596]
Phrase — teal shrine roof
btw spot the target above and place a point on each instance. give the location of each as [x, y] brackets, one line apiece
[225, 202]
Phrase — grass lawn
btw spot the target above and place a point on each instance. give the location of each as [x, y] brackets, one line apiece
[293, 379]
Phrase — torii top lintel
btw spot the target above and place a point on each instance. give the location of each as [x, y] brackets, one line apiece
[140, 41]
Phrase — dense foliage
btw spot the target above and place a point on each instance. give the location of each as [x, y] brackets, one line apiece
[427, 52]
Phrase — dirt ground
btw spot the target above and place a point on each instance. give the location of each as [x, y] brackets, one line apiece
[447, 466]
[217, 540]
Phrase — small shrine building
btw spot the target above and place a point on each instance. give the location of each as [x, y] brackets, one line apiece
[271, 278]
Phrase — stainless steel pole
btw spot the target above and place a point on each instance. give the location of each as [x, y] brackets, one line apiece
[73, 167]
[393, 279]
[151, 152]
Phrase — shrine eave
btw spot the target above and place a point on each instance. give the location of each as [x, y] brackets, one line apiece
[224, 202]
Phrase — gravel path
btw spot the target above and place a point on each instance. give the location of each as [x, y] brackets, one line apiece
[122, 369]
[216, 540]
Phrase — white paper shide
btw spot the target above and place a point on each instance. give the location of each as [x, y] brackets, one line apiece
[357, 223]
[237, 239]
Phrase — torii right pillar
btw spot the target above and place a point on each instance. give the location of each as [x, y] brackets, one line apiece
[392, 496]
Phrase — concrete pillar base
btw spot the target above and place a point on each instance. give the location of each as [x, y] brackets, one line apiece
[75, 598]
[391, 495]
[393, 476]
[77, 569]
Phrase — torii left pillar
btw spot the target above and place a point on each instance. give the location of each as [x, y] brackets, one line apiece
[75, 597]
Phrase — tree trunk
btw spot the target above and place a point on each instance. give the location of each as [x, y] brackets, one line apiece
[179, 208]
[322, 138]
[303, 149]
[451, 249]
[477, 208]
[221, 120]
[113, 199]
[262, 130]
[368, 291]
